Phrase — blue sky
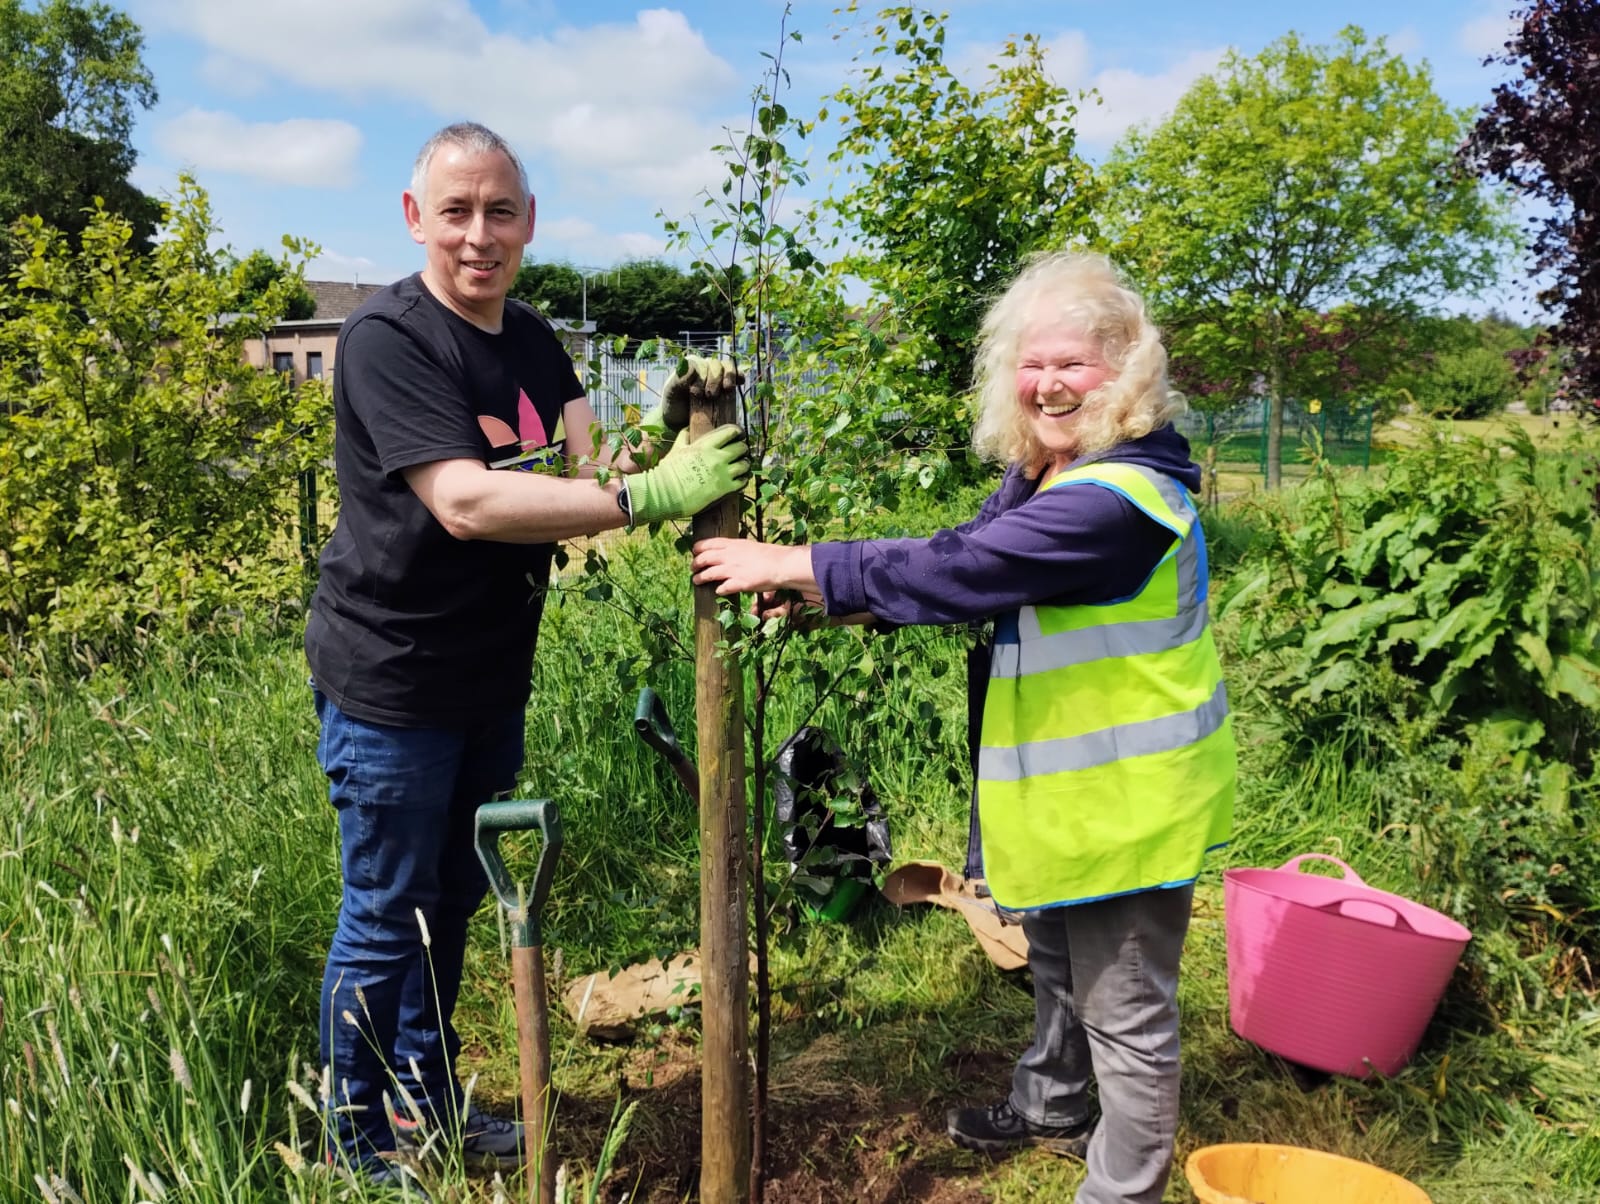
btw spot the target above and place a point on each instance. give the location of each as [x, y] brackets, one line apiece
[303, 116]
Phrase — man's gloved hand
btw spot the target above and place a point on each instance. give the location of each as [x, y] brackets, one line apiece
[689, 478]
[703, 376]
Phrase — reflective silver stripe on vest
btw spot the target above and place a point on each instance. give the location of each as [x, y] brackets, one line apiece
[1110, 744]
[1087, 644]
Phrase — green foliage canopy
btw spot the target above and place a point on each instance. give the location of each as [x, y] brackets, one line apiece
[71, 81]
[640, 299]
[948, 188]
[1302, 195]
[147, 472]
[256, 276]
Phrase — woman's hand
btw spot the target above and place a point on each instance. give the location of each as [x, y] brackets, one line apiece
[744, 566]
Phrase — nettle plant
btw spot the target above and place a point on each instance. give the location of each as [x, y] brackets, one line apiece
[1441, 623]
[147, 471]
[1470, 571]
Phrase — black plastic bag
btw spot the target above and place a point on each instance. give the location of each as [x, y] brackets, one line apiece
[832, 824]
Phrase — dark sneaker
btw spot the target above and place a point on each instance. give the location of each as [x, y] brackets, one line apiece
[484, 1139]
[999, 1127]
[388, 1171]
[489, 1138]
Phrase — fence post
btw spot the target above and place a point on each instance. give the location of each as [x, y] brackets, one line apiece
[307, 489]
[1366, 459]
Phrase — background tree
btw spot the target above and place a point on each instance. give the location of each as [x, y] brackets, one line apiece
[257, 274]
[948, 188]
[71, 82]
[1301, 195]
[1466, 367]
[1541, 136]
[640, 299]
[147, 471]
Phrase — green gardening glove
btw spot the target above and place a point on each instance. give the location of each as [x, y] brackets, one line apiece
[689, 478]
[702, 376]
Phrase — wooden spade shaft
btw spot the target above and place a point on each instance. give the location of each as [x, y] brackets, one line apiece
[533, 1055]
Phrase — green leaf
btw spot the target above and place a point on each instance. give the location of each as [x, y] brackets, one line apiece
[1579, 679]
[1536, 652]
[1357, 622]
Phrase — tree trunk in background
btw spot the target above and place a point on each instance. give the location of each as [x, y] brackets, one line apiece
[1275, 400]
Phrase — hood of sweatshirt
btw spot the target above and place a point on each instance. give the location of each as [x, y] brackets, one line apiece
[1164, 450]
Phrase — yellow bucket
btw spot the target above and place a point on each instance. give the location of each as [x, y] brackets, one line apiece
[1251, 1173]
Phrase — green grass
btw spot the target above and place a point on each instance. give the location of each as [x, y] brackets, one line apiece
[169, 871]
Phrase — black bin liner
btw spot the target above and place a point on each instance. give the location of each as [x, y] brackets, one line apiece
[812, 771]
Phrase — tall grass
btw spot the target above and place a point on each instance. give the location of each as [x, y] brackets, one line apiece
[169, 881]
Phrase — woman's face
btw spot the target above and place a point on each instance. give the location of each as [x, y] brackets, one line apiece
[1057, 367]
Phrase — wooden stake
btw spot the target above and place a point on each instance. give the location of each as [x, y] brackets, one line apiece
[724, 951]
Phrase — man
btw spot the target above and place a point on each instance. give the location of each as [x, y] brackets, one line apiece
[460, 428]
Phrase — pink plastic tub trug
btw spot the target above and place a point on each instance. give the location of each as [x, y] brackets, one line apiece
[1330, 972]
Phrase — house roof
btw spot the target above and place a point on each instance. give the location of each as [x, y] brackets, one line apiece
[338, 299]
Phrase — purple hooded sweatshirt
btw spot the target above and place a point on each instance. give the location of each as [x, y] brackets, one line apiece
[1065, 546]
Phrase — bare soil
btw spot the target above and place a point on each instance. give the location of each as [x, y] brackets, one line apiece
[830, 1138]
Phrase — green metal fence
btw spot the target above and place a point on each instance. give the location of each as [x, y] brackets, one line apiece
[1238, 433]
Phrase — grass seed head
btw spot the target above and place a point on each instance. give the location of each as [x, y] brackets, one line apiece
[180, 1069]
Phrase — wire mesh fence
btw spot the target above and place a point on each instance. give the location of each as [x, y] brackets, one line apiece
[1340, 431]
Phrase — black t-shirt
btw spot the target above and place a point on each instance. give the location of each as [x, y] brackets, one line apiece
[409, 625]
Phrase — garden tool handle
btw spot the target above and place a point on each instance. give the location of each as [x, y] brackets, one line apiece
[651, 721]
[533, 1055]
[1293, 864]
[519, 815]
[527, 967]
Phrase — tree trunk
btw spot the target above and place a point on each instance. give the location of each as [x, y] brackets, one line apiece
[1275, 400]
[724, 954]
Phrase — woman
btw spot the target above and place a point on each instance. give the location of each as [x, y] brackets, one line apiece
[1106, 768]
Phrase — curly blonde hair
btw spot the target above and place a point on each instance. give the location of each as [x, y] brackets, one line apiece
[1082, 292]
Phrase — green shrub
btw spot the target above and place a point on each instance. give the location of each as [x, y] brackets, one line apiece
[1475, 382]
[1439, 624]
[147, 472]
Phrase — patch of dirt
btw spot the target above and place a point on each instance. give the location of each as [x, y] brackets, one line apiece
[830, 1137]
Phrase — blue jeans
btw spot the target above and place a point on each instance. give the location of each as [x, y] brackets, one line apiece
[406, 799]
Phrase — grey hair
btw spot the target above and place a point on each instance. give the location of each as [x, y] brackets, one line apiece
[1085, 293]
[473, 138]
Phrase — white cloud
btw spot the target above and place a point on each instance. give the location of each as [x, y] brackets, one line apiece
[1067, 55]
[232, 77]
[1131, 97]
[1127, 97]
[1405, 41]
[565, 229]
[302, 151]
[1485, 35]
[645, 86]
[333, 265]
[579, 240]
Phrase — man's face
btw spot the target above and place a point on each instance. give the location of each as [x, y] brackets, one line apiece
[474, 222]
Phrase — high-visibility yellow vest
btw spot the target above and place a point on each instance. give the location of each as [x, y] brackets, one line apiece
[1107, 760]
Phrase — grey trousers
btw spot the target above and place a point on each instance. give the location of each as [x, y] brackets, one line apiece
[1105, 992]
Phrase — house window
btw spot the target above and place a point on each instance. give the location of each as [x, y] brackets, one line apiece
[313, 365]
[283, 363]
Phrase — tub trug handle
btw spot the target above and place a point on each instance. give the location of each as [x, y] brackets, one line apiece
[1293, 864]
